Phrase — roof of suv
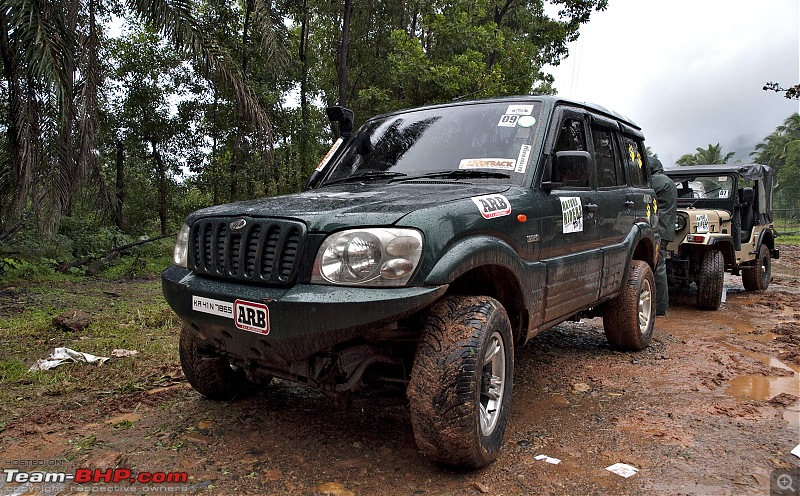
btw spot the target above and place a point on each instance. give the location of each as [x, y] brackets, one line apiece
[549, 100]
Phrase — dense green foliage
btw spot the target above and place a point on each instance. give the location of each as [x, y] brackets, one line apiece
[711, 155]
[203, 102]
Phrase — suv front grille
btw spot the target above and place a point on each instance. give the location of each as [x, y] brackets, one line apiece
[266, 251]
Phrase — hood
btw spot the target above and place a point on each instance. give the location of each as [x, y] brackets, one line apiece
[335, 207]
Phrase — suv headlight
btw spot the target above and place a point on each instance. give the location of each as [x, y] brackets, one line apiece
[368, 257]
[181, 247]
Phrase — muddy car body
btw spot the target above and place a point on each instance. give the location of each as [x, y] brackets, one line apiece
[723, 223]
[429, 244]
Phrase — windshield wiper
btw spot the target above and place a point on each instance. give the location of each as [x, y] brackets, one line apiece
[366, 176]
[460, 174]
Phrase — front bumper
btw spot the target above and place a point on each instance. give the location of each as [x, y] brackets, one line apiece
[302, 320]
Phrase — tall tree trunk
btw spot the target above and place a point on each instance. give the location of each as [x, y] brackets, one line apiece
[304, 113]
[239, 155]
[344, 48]
[214, 145]
[499, 14]
[21, 162]
[161, 178]
[120, 186]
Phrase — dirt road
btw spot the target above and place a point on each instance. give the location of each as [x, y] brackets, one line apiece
[710, 408]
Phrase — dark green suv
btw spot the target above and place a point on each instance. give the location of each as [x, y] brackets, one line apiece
[429, 244]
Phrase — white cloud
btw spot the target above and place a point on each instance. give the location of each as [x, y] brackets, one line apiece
[689, 72]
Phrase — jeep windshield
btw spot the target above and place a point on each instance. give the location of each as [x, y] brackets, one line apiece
[474, 142]
[703, 191]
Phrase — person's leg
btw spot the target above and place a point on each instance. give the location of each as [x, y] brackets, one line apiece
[662, 286]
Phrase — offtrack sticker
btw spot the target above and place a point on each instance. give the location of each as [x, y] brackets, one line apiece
[487, 163]
[253, 317]
[702, 223]
[572, 214]
[524, 157]
[327, 157]
[492, 206]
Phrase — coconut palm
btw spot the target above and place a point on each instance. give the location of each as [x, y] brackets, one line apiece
[710, 155]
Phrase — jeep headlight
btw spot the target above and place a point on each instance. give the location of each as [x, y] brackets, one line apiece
[368, 257]
[680, 223]
[181, 247]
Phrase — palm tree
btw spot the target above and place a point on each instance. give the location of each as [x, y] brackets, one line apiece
[773, 150]
[51, 68]
[710, 155]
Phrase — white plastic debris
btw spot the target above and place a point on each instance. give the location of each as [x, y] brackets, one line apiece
[123, 353]
[548, 459]
[796, 451]
[66, 355]
[623, 469]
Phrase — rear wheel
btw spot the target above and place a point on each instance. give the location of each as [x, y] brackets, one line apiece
[710, 280]
[210, 373]
[460, 388]
[759, 276]
[628, 319]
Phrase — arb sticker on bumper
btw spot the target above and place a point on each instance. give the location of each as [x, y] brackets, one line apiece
[253, 317]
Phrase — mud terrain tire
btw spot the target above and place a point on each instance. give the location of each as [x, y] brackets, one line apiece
[759, 277]
[460, 388]
[710, 280]
[628, 319]
[210, 374]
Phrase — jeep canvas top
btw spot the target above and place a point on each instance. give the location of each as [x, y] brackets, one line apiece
[429, 243]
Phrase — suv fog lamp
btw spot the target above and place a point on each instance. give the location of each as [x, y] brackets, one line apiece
[369, 257]
[180, 255]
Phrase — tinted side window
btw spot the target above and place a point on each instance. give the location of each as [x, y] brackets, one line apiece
[609, 171]
[633, 156]
[572, 137]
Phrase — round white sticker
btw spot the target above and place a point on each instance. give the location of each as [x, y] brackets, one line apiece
[526, 121]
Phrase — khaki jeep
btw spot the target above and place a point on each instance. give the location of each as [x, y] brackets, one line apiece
[723, 223]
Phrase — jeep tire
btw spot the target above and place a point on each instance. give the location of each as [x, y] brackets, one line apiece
[211, 374]
[461, 381]
[710, 280]
[759, 275]
[628, 319]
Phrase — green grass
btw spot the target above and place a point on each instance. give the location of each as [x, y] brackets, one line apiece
[788, 239]
[127, 314]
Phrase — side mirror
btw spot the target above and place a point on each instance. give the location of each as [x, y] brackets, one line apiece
[747, 195]
[344, 117]
[570, 166]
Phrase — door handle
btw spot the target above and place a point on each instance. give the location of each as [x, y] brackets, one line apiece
[629, 203]
[592, 207]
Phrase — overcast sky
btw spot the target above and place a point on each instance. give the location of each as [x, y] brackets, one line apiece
[689, 72]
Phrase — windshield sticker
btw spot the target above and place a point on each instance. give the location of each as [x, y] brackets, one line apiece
[250, 316]
[522, 160]
[526, 121]
[508, 120]
[519, 109]
[702, 223]
[572, 214]
[488, 163]
[722, 178]
[492, 206]
[328, 155]
[723, 193]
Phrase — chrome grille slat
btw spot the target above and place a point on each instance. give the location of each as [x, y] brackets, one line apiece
[264, 250]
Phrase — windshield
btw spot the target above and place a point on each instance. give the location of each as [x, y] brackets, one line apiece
[486, 141]
[705, 187]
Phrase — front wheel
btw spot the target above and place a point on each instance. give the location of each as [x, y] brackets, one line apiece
[460, 388]
[210, 373]
[628, 319]
[711, 280]
[759, 276]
